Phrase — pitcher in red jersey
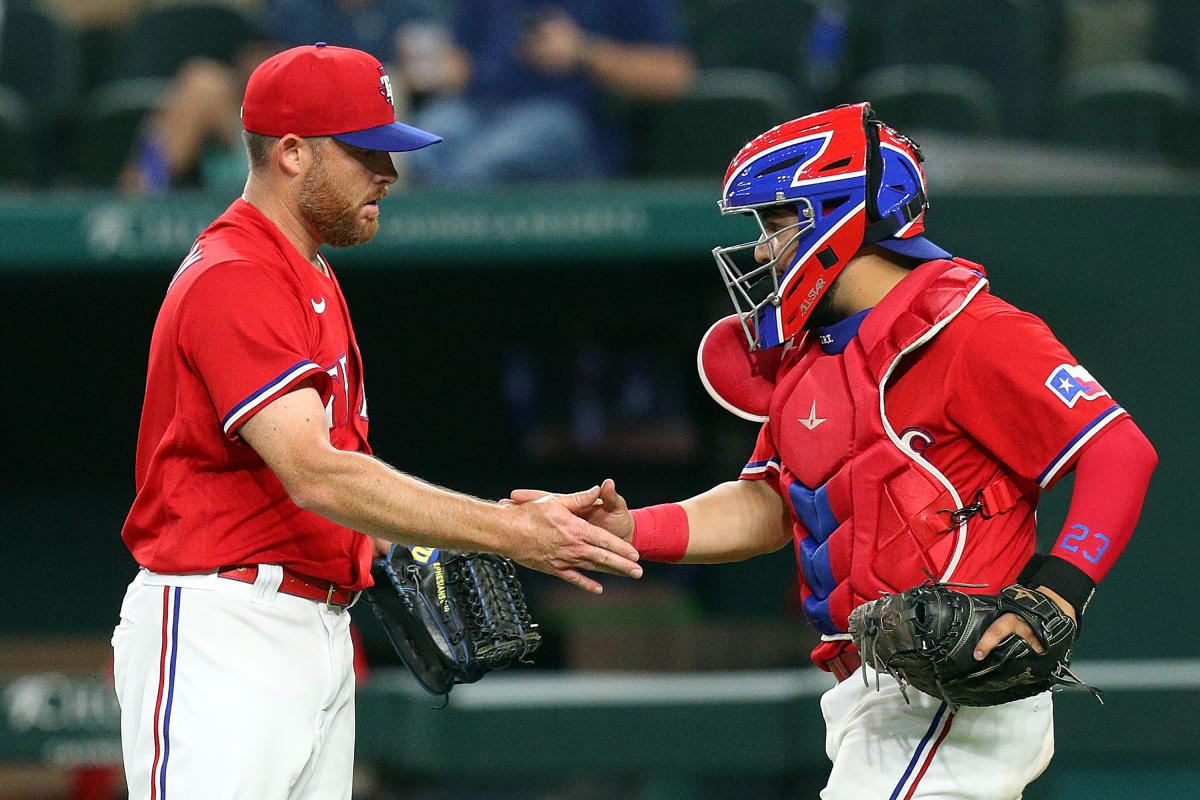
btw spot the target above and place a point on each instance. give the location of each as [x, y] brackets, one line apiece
[259, 506]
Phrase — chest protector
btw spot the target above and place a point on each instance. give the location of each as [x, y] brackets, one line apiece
[871, 513]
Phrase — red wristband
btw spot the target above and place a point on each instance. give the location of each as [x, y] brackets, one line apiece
[660, 533]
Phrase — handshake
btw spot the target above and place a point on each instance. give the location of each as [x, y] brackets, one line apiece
[590, 530]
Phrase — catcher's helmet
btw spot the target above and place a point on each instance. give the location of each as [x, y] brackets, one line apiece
[852, 180]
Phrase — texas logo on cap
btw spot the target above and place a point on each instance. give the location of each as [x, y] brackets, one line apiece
[319, 90]
[385, 86]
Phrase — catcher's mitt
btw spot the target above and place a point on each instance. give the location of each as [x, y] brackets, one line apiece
[925, 638]
[452, 617]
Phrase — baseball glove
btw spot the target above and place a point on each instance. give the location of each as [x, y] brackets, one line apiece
[925, 638]
[452, 617]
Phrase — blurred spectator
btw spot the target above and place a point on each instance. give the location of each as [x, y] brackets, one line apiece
[195, 137]
[519, 89]
[83, 14]
[87, 17]
[370, 25]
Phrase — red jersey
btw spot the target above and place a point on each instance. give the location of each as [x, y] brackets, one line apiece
[245, 319]
[993, 393]
[1006, 389]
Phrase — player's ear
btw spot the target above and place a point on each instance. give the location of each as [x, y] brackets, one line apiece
[292, 154]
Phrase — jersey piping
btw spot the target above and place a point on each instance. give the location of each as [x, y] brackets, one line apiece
[1083, 437]
[251, 403]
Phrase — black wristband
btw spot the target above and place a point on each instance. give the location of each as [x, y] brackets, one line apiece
[1030, 569]
[1067, 580]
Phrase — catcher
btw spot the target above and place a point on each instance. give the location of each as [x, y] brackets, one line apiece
[910, 420]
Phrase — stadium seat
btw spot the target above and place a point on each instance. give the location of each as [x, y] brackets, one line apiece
[912, 97]
[16, 137]
[697, 135]
[39, 87]
[1176, 39]
[109, 119]
[801, 40]
[761, 34]
[99, 53]
[1008, 44]
[39, 59]
[161, 39]
[1134, 107]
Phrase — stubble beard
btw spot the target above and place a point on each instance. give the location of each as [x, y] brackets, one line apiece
[330, 210]
[826, 312]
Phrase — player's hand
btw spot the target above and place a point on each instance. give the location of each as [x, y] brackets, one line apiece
[1009, 624]
[555, 44]
[609, 511]
[560, 542]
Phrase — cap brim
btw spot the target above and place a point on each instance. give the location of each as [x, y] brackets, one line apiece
[394, 137]
[915, 247]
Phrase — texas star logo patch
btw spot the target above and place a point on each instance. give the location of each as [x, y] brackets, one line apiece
[1072, 382]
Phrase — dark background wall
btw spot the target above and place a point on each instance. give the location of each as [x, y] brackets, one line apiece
[1111, 273]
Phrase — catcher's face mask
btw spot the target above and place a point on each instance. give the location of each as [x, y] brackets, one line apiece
[853, 180]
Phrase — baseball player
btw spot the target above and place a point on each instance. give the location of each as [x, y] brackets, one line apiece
[259, 507]
[910, 421]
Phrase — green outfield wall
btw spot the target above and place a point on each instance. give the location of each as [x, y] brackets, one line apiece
[454, 286]
[500, 332]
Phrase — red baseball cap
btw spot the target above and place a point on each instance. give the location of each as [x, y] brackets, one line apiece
[318, 90]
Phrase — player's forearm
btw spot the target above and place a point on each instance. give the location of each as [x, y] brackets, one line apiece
[364, 494]
[361, 492]
[735, 521]
[1111, 479]
[641, 72]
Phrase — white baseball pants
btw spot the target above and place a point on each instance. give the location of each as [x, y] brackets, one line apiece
[885, 749]
[233, 691]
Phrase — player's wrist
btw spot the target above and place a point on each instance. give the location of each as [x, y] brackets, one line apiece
[1067, 607]
[1067, 581]
[661, 532]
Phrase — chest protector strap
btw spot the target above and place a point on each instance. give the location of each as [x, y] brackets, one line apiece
[997, 497]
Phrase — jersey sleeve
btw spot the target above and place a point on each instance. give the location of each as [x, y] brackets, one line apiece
[1021, 394]
[246, 336]
[764, 461]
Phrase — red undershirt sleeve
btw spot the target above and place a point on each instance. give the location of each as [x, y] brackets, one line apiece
[1111, 478]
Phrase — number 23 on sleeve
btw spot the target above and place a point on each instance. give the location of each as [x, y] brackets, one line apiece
[1093, 544]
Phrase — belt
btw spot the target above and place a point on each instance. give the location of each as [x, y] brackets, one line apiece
[843, 664]
[299, 585]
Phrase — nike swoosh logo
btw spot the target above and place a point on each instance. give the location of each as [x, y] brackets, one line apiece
[812, 420]
[318, 307]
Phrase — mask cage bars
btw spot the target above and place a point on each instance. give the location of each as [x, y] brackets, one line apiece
[746, 285]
